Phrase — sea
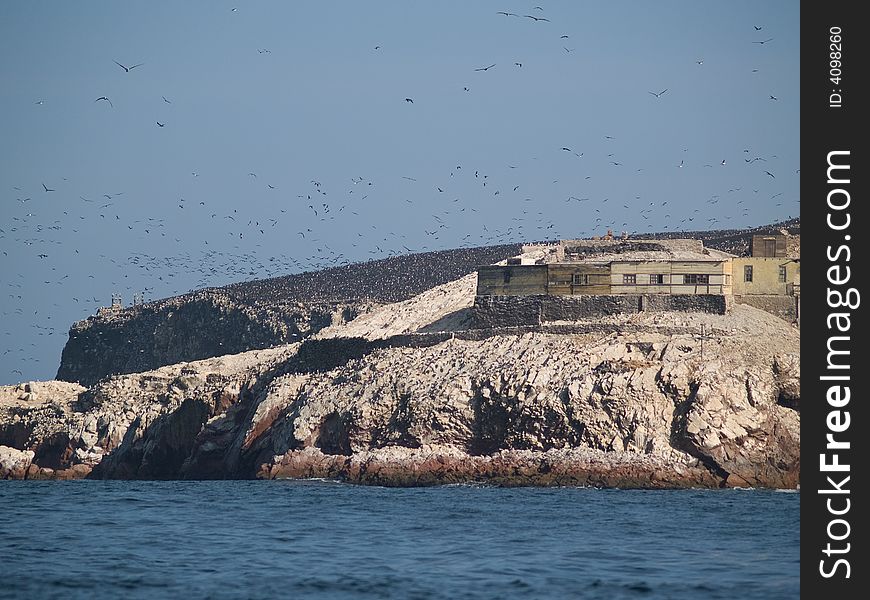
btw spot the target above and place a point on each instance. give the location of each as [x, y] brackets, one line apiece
[321, 539]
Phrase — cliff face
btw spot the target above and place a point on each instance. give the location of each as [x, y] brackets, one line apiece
[193, 327]
[645, 408]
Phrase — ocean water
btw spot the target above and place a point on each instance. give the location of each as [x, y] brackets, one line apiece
[314, 539]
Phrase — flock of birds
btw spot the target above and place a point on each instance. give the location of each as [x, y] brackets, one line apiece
[230, 249]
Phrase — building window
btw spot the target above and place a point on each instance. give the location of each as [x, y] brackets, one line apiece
[629, 279]
[696, 279]
[656, 279]
[782, 274]
[507, 275]
[580, 279]
[747, 273]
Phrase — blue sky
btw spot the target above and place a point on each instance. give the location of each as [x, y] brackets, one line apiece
[288, 144]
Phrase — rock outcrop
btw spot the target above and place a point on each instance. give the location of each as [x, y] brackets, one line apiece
[646, 403]
[187, 328]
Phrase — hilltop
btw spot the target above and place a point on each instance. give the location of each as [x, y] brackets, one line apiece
[405, 393]
[265, 313]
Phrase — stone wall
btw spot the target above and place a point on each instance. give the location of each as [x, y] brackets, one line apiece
[784, 307]
[504, 311]
[710, 303]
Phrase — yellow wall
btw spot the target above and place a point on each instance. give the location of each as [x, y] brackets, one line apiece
[524, 280]
[672, 272]
[765, 275]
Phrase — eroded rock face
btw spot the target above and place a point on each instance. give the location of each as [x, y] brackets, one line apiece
[131, 426]
[14, 463]
[627, 409]
[187, 328]
[642, 396]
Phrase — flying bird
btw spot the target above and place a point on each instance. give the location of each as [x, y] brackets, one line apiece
[127, 69]
[159, 124]
[507, 14]
[537, 18]
[409, 100]
[757, 28]
[485, 68]
[660, 93]
[47, 189]
[772, 97]
[763, 41]
[106, 99]
[771, 174]
[165, 100]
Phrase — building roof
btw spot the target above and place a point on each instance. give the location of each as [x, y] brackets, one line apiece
[595, 252]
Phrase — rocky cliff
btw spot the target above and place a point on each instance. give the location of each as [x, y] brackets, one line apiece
[636, 401]
[192, 327]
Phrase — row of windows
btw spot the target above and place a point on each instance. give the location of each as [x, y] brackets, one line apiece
[654, 279]
[657, 279]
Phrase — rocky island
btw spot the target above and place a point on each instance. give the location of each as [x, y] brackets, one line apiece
[406, 388]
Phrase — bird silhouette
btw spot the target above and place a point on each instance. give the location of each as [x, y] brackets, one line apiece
[127, 69]
[772, 97]
[485, 68]
[106, 99]
[47, 189]
[409, 100]
[771, 174]
[763, 41]
[537, 18]
[159, 124]
[660, 93]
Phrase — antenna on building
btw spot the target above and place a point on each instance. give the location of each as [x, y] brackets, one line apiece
[117, 304]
